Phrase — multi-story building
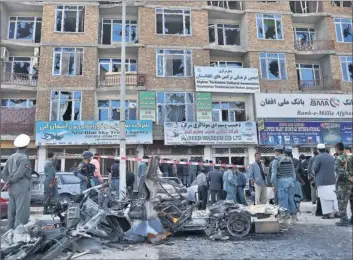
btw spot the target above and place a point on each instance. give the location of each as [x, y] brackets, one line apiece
[61, 62]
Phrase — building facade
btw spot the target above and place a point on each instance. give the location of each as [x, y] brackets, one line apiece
[61, 63]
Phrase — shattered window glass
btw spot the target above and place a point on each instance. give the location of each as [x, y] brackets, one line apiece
[25, 28]
[304, 35]
[309, 75]
[112, 31]
[228, 111]
[173, 21]
[226, 34]
[342, 3]
[211, 33]
[68, 61]
[114, 65]
[70, 18]
[343, 29]
[227, 64]
[269, 26]
[110, 110]
[273, 66]
[65, 106]
[347, 68]
[174, 63]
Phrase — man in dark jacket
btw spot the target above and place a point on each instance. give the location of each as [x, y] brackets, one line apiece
[164, 167]
[241, 183]
[215, 179]
[130, 180]
[183, 172]
[303, 166]
[311, 177]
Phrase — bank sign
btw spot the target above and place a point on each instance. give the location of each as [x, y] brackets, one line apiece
[303, 106]
[305, 133]
[209, 133]
[91, 132]
[232, 80]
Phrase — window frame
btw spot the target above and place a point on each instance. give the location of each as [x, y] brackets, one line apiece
[31, 64]
[262, 21]
[299, 68]
[219, 110]
[28, 102]
[346, 62]
[217, 64]
[307, 30]
[158, 120]
[223, 25]
[185, 54]
[62, 18]
[61, 59]
[128, 23]
[127, 63]
[182, 14]
[110, 107]
[36, 19]
[58, 105]
[335, 21]
[279, 67]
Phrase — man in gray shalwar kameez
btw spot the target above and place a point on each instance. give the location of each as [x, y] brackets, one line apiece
[50, 187]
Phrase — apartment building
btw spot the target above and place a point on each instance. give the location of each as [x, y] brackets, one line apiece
[61, 67]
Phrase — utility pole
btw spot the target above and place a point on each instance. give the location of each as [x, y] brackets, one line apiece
[122, 184]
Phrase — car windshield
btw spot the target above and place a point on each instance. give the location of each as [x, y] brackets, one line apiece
[69, 179]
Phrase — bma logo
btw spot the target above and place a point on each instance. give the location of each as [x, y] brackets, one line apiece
[334, 101]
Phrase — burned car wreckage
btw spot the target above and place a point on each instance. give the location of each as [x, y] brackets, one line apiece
[153, 216]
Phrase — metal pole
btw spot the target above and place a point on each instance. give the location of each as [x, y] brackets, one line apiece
[122, 184]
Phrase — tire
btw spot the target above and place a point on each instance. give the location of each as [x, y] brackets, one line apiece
[238, 225]
[64, 198]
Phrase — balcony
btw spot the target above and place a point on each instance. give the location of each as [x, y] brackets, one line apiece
[305, 7]
[320, 45]
[318, 85]
[19, 79]
[113, 80]
[17, 129]
[228, 5]
[15, 121]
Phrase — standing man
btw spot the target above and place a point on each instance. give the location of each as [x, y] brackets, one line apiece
[50, 187]
[97, 178]
[141, 169]
[115, 174]
[325, 182]
[202, 188]
[85, 171]
[229, 184]
[311, 177]
[303, 167]
[344, 173]
[192, 172]
[258, 179]
[130, 181]
[241, 183]
[215, 179]
[283, 177]
[174, 169]
[348, 151]
[164, 167]
[17, 174]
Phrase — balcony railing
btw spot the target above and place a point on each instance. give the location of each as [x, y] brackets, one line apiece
[16, 129]
[135, 80]
[23, 79]
[314, 45]
[323, 84]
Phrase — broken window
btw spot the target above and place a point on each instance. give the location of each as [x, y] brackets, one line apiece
[233, 5]
[343, 29]
[18, 103]
[114, 65]
[25, 28]
[68, 61]
[273, 66]
[227, 64]
[112, 31]
[174, 63]
[110, 109]
[228, 111]
[173, 21]
[226, 34]
[269, 26]
[305, 35]
[70, 18]
[309, 75]
[175, 107]
[347, 68]
[342, 3]
[303, 7]
[65, 105]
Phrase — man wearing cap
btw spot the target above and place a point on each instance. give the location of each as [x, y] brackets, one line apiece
[283, 177]
[85, 171]
[325, 181]
[17, 174]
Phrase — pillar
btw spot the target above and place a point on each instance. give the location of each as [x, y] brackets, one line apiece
[42, 156]
[207, 152]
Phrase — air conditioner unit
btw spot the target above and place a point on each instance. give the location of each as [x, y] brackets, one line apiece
[4, 54]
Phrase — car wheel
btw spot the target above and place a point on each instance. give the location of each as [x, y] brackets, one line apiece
[238, 225]
[64, 198]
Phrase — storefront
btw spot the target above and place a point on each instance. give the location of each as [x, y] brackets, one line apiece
[304, 120]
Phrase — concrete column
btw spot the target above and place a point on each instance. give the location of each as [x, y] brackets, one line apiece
[93, 150]
[251, 154]
[207, 152]
[42, 156]
[140, 151]
[62, 166]
[295, 152]
[332, 150]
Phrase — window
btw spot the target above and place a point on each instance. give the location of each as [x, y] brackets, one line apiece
[110, 110]
[25, 28]
[304, 35]
[18, 103]
[347, 68]
[303, 7]
[269, 26]
[309, 75]
[70, 18]
[227, 64]
[228, 111]
[112, 31]
[175, 107]
[68, 61]
[343, 29]
[226, 34]
[65, 105]
[273, 66]
[23, 65]
[342, 3]
[114, 65]
[233, 5]
[174, 63]
[173, 21]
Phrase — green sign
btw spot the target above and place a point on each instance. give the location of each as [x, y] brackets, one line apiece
[203, 106]
[147, 105]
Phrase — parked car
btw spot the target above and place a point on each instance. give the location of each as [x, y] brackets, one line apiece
[68, 186]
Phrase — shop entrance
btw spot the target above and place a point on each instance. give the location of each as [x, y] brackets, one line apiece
[235, 155]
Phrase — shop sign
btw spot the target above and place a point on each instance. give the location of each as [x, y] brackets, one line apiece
[209, 133]
[147, 105]
[203, 107]
[305, 133]
[303, 106]
[232, 80]
[92, 132]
